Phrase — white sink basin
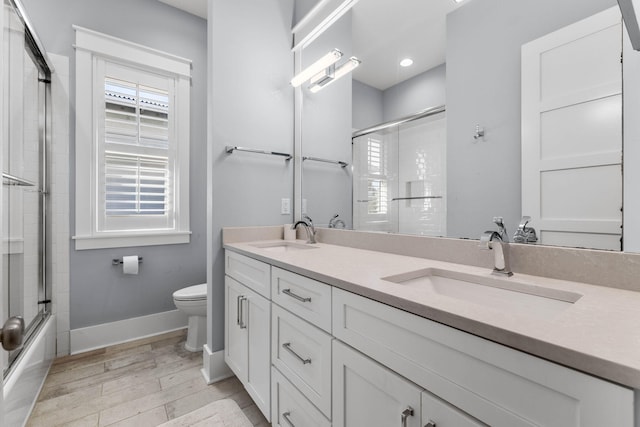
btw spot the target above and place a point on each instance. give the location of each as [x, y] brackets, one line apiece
[283, 246]
[493, 292]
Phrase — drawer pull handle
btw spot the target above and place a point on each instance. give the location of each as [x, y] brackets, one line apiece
[406, 414]
[285, 416]
[430, 424]
[287, 346]
[298, 297]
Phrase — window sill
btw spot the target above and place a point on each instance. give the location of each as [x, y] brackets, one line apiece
[130, 240]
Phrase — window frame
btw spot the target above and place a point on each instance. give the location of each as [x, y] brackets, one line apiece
[93, 50]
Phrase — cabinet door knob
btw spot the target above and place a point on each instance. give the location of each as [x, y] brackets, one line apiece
[406, 414]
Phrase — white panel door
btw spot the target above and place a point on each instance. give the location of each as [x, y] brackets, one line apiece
[366, 393]
[572, 133]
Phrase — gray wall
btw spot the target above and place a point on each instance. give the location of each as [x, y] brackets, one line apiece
[367, 105]
[483, 86]
[372, 106]
[425, 90]
[250, 104]
[99, 292]
[326, 132]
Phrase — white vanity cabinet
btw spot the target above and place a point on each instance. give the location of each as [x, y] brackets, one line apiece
[337, 358]
[247, 329]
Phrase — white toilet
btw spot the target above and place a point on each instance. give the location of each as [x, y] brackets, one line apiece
[193, 302]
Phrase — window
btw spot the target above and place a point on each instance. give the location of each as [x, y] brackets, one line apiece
[132, 144]
[377, 180]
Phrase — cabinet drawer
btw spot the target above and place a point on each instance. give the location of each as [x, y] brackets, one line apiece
[305, 297]
[484, 379]
[290, 407]
[254, 274]
[302, 353]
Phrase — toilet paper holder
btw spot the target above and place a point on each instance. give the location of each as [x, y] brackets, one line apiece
[117, 261]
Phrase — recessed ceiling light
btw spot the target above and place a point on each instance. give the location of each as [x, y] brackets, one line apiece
[406, 62]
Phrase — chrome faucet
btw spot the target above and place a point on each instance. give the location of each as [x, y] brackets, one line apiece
[525, 234]
[308, 226]
[498, 241]
[336, 222]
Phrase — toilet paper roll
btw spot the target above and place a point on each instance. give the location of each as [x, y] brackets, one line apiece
[130, 264]
[289, 234]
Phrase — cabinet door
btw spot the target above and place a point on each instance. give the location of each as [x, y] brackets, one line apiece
[256, 312]
[438, 413]
[235, 333]
[367, 394]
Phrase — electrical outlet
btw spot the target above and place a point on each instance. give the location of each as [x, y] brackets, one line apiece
[286, 207]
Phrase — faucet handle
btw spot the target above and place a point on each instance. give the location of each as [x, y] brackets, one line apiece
[499, 221]
[308, 218]
[523, 222]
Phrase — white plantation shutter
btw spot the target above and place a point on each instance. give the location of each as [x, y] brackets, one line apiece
[136, 151]
[377, 193]
[132, 144]
[135, 185]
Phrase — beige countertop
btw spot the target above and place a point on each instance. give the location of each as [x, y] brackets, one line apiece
[598, 334]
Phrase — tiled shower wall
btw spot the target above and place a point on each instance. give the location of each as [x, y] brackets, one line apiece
[59, 200]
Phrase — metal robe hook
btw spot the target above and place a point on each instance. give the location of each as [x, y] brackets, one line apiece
[479, 132]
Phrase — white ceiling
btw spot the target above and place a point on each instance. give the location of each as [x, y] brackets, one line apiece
[385, 32]
[195, 7]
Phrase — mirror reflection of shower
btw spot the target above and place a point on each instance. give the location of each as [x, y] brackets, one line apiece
[399, 176]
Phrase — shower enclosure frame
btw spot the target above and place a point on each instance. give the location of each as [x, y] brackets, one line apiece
[37, 54]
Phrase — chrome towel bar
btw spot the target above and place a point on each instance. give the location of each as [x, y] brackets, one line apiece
[231, 148]
[335, 162]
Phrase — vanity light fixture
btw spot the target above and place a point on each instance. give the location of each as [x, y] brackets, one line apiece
[317, 67]
[332, 73]
[406, 62]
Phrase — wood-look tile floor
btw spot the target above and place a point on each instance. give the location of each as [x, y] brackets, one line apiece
[140, 383]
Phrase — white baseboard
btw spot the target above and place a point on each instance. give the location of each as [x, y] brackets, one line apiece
[106, 334]
[213, 366]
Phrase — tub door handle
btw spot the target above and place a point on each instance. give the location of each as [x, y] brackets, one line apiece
[12, 333]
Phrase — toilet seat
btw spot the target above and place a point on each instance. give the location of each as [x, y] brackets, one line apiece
[191, 293]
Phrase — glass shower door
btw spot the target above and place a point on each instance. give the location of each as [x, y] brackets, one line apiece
[23, 290]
